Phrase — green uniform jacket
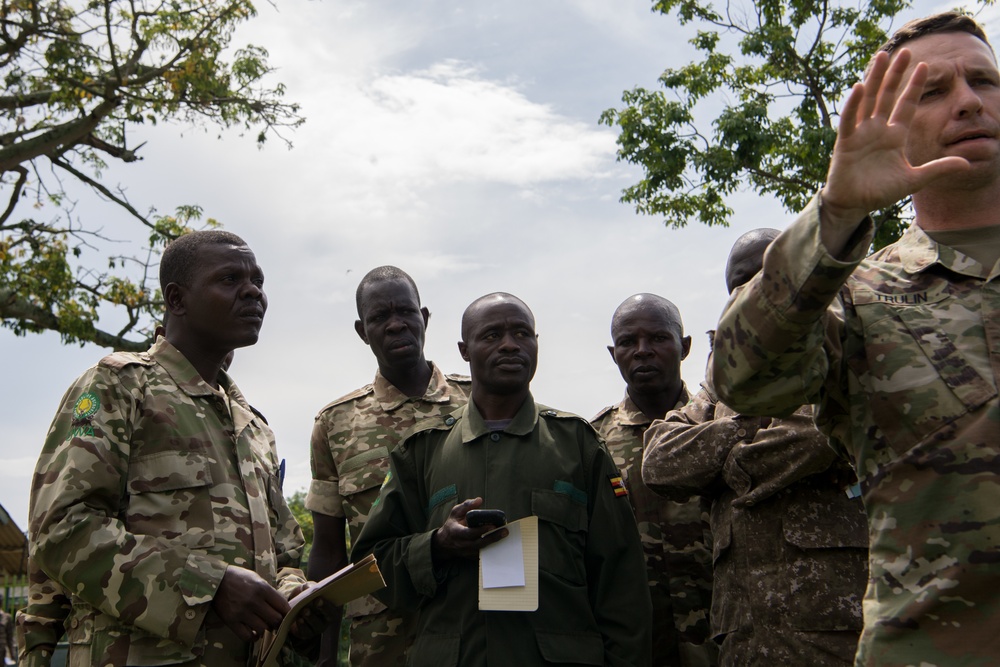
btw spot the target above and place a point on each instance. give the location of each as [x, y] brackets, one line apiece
[594, 606]
[149, 485]
[900, 353]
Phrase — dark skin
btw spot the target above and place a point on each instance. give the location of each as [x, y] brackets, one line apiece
[393, 325]
[747, 256]
[221, 308]
[501, 346]
[648, 349]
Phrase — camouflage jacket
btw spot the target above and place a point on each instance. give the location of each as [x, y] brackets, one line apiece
[675, 539]
[593, 600]
[351, 441]
[790, 544]
[900, 352]
[149, 485]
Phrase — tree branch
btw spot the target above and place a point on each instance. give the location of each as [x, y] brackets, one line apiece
[14, 308]
[22, 177]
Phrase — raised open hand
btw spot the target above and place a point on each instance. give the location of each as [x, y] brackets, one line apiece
[869, 168]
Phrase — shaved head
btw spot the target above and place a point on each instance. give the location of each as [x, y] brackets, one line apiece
[747, 256]
[649, 303]
[484, 302]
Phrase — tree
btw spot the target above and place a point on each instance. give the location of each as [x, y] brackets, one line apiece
[80, 77]
[776, 129]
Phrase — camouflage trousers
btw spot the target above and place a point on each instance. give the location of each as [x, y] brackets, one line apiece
[381, 640]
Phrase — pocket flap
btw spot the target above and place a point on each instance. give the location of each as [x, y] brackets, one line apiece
[168, 471]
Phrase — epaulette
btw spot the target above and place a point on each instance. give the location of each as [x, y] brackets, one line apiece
[604, 411]
[356, 394]
[546, 411]
[259, 414]
[461, 379]
[119, 360]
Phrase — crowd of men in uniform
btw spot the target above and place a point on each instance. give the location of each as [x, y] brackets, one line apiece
[829, 495]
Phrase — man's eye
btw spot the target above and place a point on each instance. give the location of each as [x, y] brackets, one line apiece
[933, 92]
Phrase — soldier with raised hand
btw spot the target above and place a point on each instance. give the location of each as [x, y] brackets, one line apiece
[790, 556]
[351, 441]
[648, 345]
[504, 452]
[156, 501]
[899, 349]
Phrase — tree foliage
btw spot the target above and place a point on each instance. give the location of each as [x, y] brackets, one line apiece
[80, 76]
[778, 68]
[297, 505]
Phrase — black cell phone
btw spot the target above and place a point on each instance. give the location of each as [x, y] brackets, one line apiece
[476, 518]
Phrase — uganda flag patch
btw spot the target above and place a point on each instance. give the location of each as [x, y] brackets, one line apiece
[618, 486]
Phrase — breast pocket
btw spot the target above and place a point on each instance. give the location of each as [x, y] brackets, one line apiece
[170, 497]
[363, 471]
[562, 534]
[921, 377]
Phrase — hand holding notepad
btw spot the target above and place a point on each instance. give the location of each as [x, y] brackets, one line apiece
[508, 569]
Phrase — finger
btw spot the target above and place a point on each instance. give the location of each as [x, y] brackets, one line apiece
[850, 113]
[460, 510]
[935, 169]
[906, 107]
[872, 83]
[493, 537]
[889, 89]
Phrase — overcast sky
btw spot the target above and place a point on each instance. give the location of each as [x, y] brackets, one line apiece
[456, 140]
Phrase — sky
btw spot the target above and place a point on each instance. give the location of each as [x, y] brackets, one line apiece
[456, 140]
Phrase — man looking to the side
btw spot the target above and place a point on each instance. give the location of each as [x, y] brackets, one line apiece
[156, 502]
[899, 350]
[505, 452]
[648, 347]
[351, 441]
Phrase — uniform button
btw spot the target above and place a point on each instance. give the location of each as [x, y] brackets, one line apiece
[742, 433]
[449, 421]
[189, 614]
[75, 623]
[550, 413]
[495, 437]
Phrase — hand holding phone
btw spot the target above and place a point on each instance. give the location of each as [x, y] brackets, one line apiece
[477, 518]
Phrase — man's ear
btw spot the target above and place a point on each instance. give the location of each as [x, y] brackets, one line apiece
[463, 350]
[685, 347]
[611, 349]
[360, 328]
[173, 299]
[427, 316]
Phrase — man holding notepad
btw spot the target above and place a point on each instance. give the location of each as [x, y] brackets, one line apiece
[571, 537]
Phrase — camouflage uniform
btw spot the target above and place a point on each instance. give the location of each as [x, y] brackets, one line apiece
[790, 551]
[593, 605]
[675, 538]
[149, 485]
[351, 441]
[41, 624]
[903, 365]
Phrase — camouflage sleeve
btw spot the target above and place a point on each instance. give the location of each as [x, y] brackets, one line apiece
[685, 452]
[41, 623]
[324, 490]
[396, 533]
[778, 342]
[786, 451]
[76, 530]
[616, 570]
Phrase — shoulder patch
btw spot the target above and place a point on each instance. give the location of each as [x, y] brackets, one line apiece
[618, 486]
[354, 395]
[119, 360]
[460, 379]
